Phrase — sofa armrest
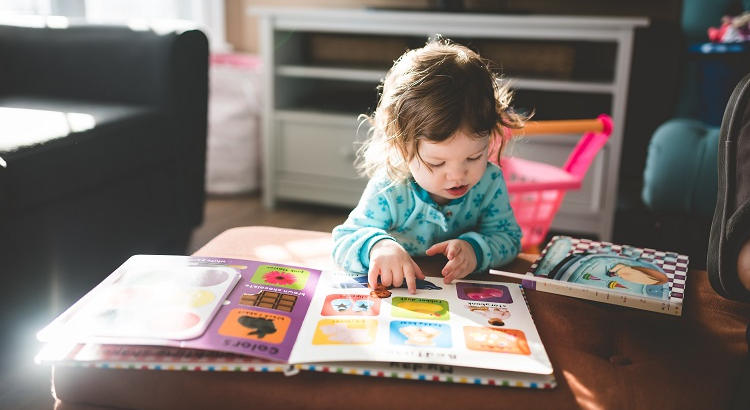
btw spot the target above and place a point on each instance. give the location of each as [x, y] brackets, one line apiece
[165, 73]
[97, 63]
[680, 174]
[188, 112]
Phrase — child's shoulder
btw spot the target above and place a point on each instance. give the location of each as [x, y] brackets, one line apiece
[492, 175]
[492, 167]
[381, 183]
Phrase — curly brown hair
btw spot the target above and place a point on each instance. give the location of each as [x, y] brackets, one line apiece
[430, 93]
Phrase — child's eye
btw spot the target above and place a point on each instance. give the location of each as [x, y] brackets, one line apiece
[436, 165]
[474, 158]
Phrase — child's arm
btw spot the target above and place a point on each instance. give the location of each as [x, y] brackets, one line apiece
[363, 244]
[367, 224]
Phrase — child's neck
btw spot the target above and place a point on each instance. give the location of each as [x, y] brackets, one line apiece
[439, 200]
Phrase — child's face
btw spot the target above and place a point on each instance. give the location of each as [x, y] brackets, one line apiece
[457, 163]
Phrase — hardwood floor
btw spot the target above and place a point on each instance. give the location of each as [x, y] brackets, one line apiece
[27, 386]
[224, 212]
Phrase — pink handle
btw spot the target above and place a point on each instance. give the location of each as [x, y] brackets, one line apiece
[588, 146]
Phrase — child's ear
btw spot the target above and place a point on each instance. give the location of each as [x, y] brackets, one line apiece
[497, 144]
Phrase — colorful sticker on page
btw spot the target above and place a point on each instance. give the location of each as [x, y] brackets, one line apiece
[251, 324]
[269, 300]
[420, 308]
[280, 276]
[424, 334]
[345, 332]
[488, 339]
[483, 292]
[350, 305]
[494, 314]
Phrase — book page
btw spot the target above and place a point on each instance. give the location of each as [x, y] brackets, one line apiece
[258, 312]
[466, 323]
[300, 315]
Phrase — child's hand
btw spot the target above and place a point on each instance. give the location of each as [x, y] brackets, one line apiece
[393, 264]
[461, 258]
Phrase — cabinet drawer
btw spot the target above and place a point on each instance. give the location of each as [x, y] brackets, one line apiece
[308, 147]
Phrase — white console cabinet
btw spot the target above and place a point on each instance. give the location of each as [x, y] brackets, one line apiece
[310, 108]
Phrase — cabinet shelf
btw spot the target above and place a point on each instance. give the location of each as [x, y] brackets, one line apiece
[331, 73]
[596, 87]
[374, 76]
[315, 116]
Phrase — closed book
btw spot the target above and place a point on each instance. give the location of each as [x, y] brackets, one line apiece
[623, 275]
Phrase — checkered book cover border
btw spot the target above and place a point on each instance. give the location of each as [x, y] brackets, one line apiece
[674, 265]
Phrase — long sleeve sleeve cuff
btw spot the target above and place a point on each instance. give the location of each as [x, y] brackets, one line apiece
[477, 250]
[364, 251]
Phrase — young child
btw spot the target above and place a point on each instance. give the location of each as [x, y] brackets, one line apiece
[431, 189]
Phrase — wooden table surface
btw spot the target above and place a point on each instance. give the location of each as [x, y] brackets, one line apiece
[604, 356]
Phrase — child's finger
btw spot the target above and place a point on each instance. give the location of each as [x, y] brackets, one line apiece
[386, 278]
[458, 266]
[449, 269]
[453, 251]
[437, 248]
[397, 277]
[372, 276]
[411, 281]
[456, 274]
[449, 278]
[417, 270]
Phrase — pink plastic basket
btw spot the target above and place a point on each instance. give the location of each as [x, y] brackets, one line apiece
[537, 189]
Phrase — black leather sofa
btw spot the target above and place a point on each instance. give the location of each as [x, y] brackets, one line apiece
[103, 131]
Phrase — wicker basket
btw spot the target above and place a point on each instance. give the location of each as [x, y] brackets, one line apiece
[531, 59]
[332, 49]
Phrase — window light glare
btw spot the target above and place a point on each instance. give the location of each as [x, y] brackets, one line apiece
[57, 22]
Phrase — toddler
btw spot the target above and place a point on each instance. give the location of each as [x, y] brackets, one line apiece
[431, 189]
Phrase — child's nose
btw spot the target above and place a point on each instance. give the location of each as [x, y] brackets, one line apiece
[456, 172]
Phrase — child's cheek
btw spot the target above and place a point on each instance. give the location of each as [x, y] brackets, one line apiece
[479, 171]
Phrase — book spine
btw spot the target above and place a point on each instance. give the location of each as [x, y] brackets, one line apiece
[176, 366]
[428, 376]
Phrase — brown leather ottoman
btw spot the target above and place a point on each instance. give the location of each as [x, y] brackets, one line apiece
[604, 356]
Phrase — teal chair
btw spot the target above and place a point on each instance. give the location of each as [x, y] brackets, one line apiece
[680, 174]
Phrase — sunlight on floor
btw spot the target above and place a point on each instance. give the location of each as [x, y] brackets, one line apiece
[584, 396]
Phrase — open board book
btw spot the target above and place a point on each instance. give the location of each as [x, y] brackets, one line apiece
[292, 318]
[624, 275]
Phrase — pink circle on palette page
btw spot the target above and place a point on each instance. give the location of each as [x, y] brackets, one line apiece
[207, 277]
[483, 292]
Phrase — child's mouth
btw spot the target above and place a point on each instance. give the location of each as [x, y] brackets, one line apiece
[458, 190]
